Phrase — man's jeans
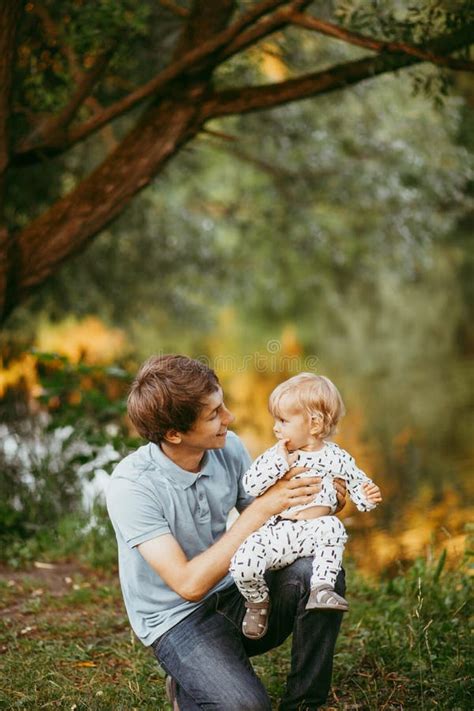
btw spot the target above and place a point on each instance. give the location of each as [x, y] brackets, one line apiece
[208, 656]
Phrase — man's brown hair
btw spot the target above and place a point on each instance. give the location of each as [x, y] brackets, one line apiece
[168, 394]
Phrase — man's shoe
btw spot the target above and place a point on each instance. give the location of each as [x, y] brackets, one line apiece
[170, 688]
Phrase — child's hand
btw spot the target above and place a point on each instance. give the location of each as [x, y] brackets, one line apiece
[283, 452]
[372, 493]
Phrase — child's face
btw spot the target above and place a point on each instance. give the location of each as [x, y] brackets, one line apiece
[293, 425]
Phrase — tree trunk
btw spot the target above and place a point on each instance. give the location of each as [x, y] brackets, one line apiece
[10, 12]
[72, 222]
[67, 227]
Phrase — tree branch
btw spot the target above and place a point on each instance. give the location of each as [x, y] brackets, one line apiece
[232, 147]
[107, 132]
[279, 19]
[327, 28]
[264, 18]
[175, 9]
[257, 98]
[219, 134]
[164, 78]
[206, 19]
[53, 130]
[68, 225]
[51, 30]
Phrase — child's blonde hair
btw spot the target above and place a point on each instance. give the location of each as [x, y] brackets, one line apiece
[314, 394]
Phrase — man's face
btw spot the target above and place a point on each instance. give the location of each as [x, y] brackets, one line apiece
[210, 429]
[294, 426]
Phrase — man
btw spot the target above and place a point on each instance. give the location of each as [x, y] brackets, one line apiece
[169, 503]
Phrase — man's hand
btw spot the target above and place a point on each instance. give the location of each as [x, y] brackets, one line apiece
[289, 491]
[341, 492]
[372, 493]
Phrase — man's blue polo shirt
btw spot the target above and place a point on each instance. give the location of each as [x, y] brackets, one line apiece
[150, 496]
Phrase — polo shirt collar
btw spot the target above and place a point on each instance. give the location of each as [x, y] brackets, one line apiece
[175, 474]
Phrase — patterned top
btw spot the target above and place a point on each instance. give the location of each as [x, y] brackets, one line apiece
[329, 462]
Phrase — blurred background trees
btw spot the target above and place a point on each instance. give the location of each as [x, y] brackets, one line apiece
[83, 67]
[334, 229]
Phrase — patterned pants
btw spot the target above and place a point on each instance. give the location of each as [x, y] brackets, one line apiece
[279, 542]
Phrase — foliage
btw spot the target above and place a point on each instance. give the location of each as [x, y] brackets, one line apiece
[84, 536]
[91, 395]
[47, 458]
[46, 71]
[406, 20]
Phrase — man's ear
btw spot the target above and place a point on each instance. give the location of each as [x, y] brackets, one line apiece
[173, 437]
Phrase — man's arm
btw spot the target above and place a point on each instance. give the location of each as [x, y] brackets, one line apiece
[192, 579]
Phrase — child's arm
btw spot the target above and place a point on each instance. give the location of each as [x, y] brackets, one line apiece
[362, 490]
[266, 470]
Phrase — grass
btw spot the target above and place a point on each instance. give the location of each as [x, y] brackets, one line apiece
[66, 644]
[406, 643]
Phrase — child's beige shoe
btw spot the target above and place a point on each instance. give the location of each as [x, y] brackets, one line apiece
[325, 598]
[255, 622]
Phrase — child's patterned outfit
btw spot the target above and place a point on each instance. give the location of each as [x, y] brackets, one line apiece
[281, 540]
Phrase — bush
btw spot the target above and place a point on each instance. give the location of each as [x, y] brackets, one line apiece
[57, 449]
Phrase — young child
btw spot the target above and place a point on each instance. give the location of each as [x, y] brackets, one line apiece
[306, 409]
